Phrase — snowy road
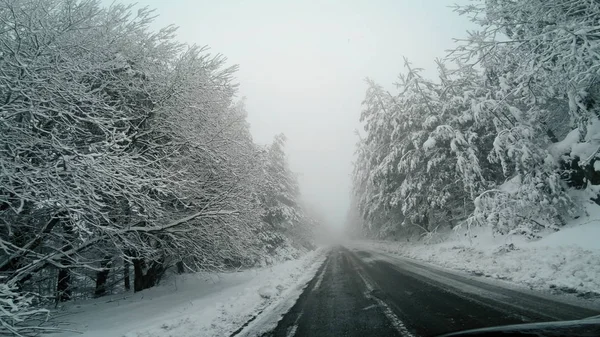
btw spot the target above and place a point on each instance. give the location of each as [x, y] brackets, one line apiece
[361, 292]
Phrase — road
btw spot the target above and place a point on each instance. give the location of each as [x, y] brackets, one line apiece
[360, 292]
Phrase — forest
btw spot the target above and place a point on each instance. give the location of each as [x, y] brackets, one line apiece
[506, 137]
[125, 155]
[127, 160]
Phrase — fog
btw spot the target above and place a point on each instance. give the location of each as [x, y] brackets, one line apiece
[302, 70]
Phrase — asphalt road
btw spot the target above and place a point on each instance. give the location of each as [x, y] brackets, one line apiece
[365, 293]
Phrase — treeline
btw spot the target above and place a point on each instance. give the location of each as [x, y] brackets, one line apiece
[123, 154]
[504, 137]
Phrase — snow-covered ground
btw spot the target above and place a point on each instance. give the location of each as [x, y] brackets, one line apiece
[565, 261]
[191, 305]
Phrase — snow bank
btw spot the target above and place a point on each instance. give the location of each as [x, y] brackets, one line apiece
[564, 261]
[585, 236]
[190, 305]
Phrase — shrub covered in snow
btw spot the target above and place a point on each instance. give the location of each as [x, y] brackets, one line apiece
[17, 315]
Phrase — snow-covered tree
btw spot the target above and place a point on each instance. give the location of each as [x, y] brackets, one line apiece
[424, 162]
[495, 132]
[280, 198]
[123, 151]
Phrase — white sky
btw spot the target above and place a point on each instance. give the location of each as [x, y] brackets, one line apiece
[302, 69]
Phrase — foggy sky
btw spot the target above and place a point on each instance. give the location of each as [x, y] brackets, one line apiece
[303, 65]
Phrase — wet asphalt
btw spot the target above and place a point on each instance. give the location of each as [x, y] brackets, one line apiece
[362, 293]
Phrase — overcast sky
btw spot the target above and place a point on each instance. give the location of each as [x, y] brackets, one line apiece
[303, 65]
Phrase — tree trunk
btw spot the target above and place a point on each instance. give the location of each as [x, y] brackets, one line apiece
[138, 275]
[126, 275]
[102, 276]
[63, 285]
[180, 267]
[148, 279]
[63, 288]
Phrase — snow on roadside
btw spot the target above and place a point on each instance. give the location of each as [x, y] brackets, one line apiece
[273, 314]
[565, 261]
[191, 305]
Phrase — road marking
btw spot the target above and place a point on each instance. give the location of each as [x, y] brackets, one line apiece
[396, 322]
[370, 307]
[292, 330]
[321, 275]
[387, 311]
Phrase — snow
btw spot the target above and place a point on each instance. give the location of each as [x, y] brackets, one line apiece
[191, 305]
[583, 150]
[512, 185]
[564, 146]
[565, 261]
[571, 145]
[586, 236]
[268, 291]
[429, 144]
